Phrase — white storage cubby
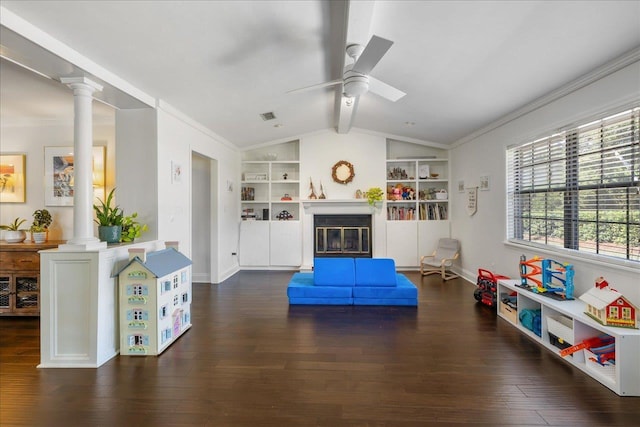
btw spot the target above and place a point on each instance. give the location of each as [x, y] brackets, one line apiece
[271, 182]
[568, 318]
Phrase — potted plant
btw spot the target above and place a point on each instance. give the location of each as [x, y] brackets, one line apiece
[40, 226]
[109, 219]
[131, 228]
[374, 194]
[13, 233]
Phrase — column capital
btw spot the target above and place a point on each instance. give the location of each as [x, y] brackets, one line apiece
[81, 83]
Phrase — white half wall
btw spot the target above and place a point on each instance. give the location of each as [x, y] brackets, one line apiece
[483, 234]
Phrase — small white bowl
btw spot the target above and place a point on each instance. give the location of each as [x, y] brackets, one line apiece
[271, 156]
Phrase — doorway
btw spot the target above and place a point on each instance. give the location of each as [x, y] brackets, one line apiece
[203, 221]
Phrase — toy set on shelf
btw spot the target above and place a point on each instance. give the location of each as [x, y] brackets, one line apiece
[547, 277]
[600, 350]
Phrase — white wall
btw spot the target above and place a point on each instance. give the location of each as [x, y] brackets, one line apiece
[137, 166]
[483, 234]
[30, 138]
[177, 139]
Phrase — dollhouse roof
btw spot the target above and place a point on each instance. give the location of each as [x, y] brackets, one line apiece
[601, 298]
[161, 263]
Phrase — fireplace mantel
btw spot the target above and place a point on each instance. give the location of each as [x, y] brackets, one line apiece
[327, 206]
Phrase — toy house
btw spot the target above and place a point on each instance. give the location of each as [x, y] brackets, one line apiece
[609, 307]
[155, 300]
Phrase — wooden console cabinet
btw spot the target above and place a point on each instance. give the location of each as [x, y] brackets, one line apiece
[20, 277]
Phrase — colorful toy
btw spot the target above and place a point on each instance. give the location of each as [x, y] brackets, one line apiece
[550, 278]
[609, 307]
[487, 283]
[596, 343]
[525, 275]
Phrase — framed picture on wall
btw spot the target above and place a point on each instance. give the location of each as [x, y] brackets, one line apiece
[59, 176]
[12, 178]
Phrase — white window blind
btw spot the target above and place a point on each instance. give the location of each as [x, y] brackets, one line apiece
[579, 189]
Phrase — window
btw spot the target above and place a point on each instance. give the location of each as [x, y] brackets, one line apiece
[579, 189]
[175, 281]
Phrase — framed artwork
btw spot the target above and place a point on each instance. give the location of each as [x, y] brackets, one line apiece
[59, 179]
[12, 178]
[485, 183]
[461, 186]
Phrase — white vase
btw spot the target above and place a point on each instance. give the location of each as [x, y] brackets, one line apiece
[14, 236]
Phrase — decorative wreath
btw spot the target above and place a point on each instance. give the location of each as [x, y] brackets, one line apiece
[342, 172]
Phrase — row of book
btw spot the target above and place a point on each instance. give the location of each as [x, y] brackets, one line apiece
[426, 212]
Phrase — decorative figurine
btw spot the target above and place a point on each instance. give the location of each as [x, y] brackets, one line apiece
[312, 196]
[358, 194]
[322, 196]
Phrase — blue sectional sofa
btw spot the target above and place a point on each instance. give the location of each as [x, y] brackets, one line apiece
[352, 281]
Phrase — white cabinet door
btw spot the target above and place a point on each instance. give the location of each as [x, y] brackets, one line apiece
[429, 232]
[286, 243]
[254, 243]
[402, 242]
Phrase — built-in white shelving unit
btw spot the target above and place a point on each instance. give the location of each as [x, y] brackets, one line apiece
[417, 221]
[270, 231]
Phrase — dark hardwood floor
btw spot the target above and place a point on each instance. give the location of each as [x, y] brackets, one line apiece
[252, 360]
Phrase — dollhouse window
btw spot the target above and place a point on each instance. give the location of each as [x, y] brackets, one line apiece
[185, 298]
[613, 312]
[183, 276]
[137, 315]
[138, 340]
[175, 300]
[626, 313]
[166, 286]
[175, 281]
[163, 311]
[137, 289]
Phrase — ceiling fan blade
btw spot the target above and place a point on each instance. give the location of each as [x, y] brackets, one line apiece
[317, 86]
[371, 55]
[384, 90]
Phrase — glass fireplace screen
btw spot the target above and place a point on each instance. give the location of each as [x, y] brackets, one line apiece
[342, 240]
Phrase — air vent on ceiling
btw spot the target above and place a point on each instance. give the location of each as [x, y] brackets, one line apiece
[268, 116]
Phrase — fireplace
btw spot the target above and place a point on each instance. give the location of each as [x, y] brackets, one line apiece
[342, 236]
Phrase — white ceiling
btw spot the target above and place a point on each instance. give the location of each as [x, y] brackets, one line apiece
[463, 64]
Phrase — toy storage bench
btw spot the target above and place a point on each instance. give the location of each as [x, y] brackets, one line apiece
[567, 321]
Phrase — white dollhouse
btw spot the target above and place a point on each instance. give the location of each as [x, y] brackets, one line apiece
[155, 300]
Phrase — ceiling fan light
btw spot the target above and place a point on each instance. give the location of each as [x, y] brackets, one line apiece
[356, 86]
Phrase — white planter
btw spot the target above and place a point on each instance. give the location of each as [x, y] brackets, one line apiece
[39, 236]
[14, 236]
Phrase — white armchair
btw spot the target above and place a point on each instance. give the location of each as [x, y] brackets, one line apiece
[441, 260]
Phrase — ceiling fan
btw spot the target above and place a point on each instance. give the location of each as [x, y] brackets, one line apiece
[356, 80]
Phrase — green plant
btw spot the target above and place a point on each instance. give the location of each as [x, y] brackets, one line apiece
[131, 228]
[107, 215]
[374, 194]
[14, 226]
[41, 220]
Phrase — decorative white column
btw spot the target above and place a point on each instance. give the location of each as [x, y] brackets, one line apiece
[83, 237]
